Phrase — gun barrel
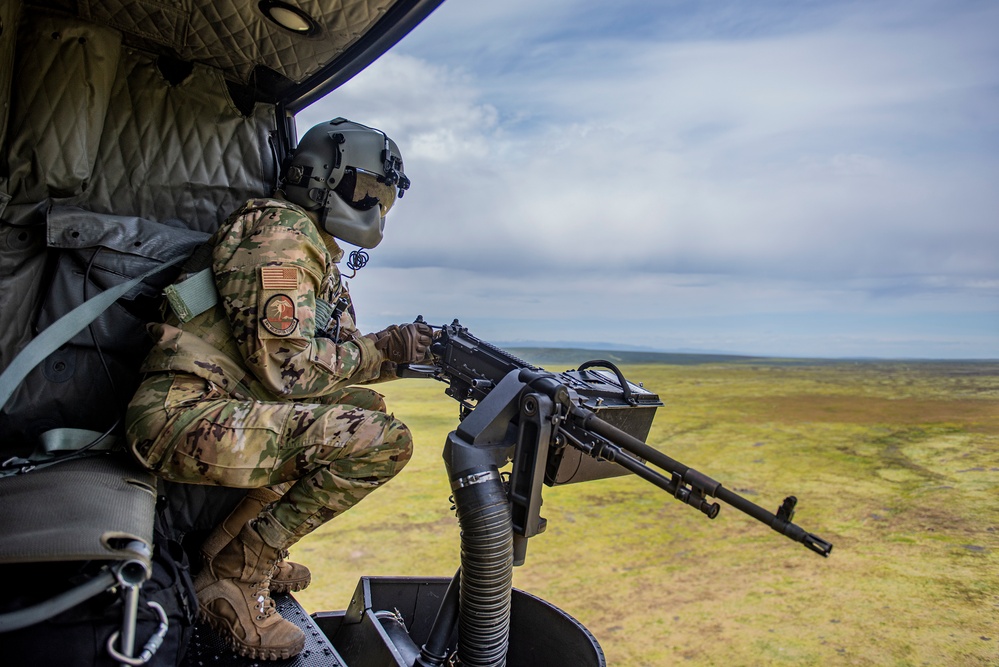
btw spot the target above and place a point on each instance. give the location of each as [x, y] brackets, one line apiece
[615, 454]
[591, 421]
[781, 525]
[702, 484]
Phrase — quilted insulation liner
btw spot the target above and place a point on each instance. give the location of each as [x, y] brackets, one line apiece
[129, 142]
[9, 11]
[65, 71]
[94, 124]
[233, 36]
[180, 152]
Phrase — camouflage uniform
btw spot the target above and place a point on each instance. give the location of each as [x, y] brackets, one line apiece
[254, 393]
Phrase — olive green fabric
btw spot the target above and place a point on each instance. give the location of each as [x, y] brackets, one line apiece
[62, 87]
[85, 509]
[235, 37]
[9, 11]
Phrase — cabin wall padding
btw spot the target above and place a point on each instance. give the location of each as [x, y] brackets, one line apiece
[9, 12]
[62, 87]
[109, 130]
[234, 36]
[97, 125]
[179, 151]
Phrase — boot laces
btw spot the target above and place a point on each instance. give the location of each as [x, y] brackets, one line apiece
[265, 603]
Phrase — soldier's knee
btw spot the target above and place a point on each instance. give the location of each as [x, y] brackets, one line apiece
[399, 439]
[378, 402]
[369, 399]
[377, 452]
[360, 397]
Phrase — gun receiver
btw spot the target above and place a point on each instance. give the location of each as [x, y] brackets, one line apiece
[565, 427]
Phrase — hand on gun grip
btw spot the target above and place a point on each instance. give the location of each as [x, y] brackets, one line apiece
[406, 344]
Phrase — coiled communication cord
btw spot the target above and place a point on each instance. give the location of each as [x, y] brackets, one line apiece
[356, 261]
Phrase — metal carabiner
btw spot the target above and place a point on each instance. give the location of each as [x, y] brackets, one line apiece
[151, 646]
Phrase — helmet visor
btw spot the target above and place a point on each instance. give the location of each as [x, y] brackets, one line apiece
[364, 190]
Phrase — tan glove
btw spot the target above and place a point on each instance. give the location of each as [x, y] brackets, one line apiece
[406, 344]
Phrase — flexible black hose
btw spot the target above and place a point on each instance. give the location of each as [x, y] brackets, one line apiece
[486, 573]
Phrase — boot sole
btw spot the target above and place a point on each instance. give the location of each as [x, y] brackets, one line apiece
[280, 589]
[252, 652]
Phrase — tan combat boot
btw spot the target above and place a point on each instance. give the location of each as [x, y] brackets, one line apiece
[234, 596]
[288, 577]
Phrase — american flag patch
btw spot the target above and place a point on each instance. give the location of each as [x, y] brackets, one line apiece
[279, 277]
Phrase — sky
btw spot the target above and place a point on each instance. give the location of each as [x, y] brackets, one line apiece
[802, 179]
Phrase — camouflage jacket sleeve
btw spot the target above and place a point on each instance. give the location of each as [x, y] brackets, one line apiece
[270, 266]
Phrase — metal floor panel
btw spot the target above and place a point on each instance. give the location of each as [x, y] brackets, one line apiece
[208, 649]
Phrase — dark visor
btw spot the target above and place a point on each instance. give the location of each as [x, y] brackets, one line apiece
[364, 190]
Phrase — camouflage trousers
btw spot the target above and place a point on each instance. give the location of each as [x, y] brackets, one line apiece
[334, 451]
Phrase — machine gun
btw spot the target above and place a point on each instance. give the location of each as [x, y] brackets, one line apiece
[596, 413]
[555, 428]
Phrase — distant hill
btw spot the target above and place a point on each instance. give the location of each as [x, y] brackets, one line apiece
[561, 358]
[564, 358]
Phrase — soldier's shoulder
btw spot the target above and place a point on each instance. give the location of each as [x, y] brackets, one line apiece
[265, 213]
[274, 209]
[271, 228]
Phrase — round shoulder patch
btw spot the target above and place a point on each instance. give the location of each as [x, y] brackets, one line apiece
[279, 315]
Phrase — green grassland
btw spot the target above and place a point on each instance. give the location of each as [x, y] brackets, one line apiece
[895, 463]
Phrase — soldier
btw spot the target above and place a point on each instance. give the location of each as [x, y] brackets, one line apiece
[257, 391]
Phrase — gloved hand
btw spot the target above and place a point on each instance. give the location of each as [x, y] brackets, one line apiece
[406, 344]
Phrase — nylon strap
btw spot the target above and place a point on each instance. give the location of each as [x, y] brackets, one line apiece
[64, 329]
[193, 296]
[58, 440]
[324, 313]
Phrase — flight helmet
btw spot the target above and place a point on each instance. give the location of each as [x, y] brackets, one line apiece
[350, 174]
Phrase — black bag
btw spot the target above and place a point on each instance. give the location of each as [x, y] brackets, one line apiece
[88, 382]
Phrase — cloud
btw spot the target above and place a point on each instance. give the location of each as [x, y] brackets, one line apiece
[435, 109]
[711, 161]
